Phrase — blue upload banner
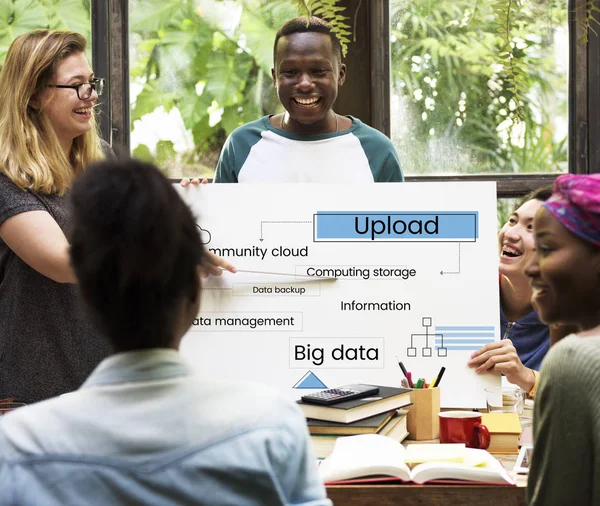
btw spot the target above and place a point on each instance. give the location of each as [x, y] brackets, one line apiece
[430, 226]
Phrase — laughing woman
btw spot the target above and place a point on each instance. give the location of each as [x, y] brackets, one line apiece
[565, 277]
[525, 339]
[47, 137]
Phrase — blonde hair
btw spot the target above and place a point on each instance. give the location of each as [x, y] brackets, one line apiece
[30, 153]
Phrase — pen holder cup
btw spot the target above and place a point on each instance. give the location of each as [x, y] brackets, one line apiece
[422, 422]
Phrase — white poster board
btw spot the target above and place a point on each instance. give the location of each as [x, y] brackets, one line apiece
[416, 268]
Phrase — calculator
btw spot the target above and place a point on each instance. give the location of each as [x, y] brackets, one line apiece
[340, 394]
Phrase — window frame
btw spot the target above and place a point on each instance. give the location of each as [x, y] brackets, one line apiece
[110, 59]
[368, 77]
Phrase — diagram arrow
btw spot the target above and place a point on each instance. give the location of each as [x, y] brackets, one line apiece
[453, 272]
[278, 222]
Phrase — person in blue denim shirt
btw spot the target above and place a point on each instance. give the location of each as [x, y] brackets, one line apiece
[144, 428]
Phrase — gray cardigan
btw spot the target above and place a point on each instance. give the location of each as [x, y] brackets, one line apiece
[565, 466]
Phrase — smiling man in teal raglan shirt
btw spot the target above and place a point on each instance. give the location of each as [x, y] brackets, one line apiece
[309, 142]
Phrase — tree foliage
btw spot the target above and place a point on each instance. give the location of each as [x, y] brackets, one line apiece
[464, 109]
[474, 78]
[514, 71]
[212, 65]
[21, 16]
[333, 13]
[590, 21]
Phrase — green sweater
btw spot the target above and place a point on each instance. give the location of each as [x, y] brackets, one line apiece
[565, 468]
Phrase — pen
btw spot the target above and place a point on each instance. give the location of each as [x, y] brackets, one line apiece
[432, 384]
[409, 379]
[419, 383]
[316, 278]
[439, 377]
[404, 371]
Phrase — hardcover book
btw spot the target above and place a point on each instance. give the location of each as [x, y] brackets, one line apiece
[387, 399]
[369, 425]
[505, 432]
[395, 428]
[371, 458]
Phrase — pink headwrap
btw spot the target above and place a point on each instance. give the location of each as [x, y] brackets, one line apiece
[576, 204]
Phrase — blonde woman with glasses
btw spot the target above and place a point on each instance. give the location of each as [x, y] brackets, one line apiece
[48, 136]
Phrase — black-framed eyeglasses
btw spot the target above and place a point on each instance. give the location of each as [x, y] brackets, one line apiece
[84, 90]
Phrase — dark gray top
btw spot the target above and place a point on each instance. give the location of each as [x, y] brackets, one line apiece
[47, 346]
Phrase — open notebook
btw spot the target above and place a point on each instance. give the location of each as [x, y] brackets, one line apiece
[372, 455]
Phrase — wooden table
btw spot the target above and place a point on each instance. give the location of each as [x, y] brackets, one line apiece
[425, 495]
[432, 495]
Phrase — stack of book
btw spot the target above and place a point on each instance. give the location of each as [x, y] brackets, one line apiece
[505, 432]
[369, 415]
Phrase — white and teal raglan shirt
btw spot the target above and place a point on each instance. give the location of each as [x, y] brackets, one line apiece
[257, 152]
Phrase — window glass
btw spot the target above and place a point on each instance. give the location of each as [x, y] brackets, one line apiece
[199, 69]
[453, 100]
[505, 207]
[20, 16]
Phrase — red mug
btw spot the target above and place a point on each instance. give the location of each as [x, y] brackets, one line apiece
[464, 427]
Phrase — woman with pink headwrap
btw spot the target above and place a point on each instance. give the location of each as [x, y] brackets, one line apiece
[565, 278]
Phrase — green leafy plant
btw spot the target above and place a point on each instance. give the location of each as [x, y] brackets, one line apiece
[591, 18]
[217, 77]
[515, 70]
[333, 13]
[457, 110]
[21, 16]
